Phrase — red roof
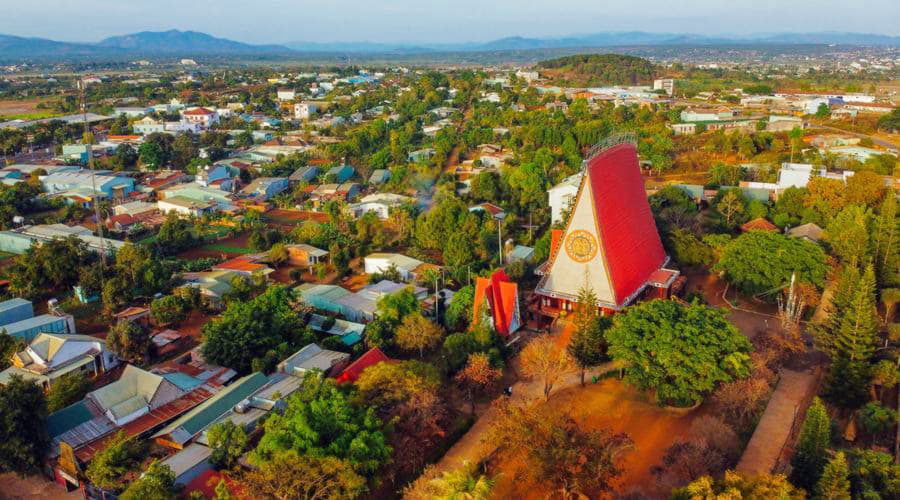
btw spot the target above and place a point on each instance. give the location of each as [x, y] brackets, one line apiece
[199, 111]
[628, 234]
[501, 294]
[372, 357]
[555, 236]
[759, 224]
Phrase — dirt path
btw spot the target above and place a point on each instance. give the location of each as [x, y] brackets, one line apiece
[777, 422]
[13, 487]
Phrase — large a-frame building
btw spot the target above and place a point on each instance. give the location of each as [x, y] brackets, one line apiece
[610, 243]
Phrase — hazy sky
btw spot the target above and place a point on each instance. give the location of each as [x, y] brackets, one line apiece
[275, 21]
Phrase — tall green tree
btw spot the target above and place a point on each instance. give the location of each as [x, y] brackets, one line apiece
[857, 336]
[587, 345]
[834, 483]
[885, 238]
[130, 340]
[227, 441]
[848, 233]
[783, 256]
[23, 434]
[681, 351]
[110, 467]
[157, 483]
[811, 454]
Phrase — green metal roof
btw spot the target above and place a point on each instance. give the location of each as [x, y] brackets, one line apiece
[194, 421]
[184, 381]
[68, 418]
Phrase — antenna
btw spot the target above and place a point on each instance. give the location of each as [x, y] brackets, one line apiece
[88, 139]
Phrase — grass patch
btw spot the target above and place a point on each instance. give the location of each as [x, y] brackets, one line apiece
[227, 249]
[30, 116]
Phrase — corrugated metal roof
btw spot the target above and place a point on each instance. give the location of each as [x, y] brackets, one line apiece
[68, 418]
[199, 418]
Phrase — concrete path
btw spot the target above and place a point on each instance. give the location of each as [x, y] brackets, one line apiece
[777, 422]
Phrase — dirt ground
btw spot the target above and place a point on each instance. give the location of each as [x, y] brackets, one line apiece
[612, 404]
[750, 317]
[19, 106]
[13, 487]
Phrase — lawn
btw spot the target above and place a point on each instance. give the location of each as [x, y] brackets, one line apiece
[228, 249]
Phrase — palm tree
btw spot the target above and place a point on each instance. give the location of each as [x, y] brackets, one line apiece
[462, 484]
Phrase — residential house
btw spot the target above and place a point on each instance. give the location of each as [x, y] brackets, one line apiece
[213, 285]
[810, 232]
[303, 174]
[210, 174]
[18, 240]
[410, 269]
[759, 224]
[245, 265]
[313, 357]
[14, 310]
[379, 203]
[303, 255]
[135, 208]
[520, 253]
[185, 206]
[420, 155]
[49, 357]
[562, 195]
[798, 175]
[201, 116]
[265, 188]
[286, 94]
[379, 176]
[350, 333]
[305, 110]
[493, 210]
[372, 357]
[148, 125]
[341, 173]
[112, 187]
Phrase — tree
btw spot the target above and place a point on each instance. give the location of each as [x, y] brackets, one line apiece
[731, 206]
[477, 376]
[834, 484]
[67, 390]
[278, 254]
[459, 312]
[110, 466]
[735, 485]
[543, 359]
[464, 482]
[320, 421]
[290, 475]
[228, 442]
[782, 255]
[681, 351]
[152, 155]
[851, 332]
[555, 449]
[877, 419]
[9, 346]
[889, 298]
[157, 483]
[885, 234]
[826, 196]
[810, 457]
[168, 310]
[23, 434]
[823, 111]
[249, 329]
[865, 188]
[385, 386]
[710, 448]
[848, 233]
[416, 332]
[396, 306]
[587, 346]
[129, 340]
[874, 474]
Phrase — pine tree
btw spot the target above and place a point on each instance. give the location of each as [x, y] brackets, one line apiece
[834, 484]
[809, 459]
[885, 233]
[826, 332]
[857, 336]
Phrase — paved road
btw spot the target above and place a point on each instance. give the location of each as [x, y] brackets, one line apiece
[875, 140]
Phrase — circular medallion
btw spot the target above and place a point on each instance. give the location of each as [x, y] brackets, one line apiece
[581, 246]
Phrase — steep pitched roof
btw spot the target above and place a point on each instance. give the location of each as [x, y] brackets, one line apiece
[501, 295]
[759, 224]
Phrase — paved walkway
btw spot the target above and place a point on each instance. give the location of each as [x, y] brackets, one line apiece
[777, 422]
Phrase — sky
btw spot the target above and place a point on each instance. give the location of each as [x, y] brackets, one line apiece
[437, 21]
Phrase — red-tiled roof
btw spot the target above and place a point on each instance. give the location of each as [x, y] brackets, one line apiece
[372, 357]
[501, 295]
[628, 234]
[759, 224]
[239, 264]
[199, 112]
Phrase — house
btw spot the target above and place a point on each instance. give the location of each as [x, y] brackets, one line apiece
[421, 155]
[684, 128]
[135, 208]
[165, 179]
[379, 176]
[303, 174]
[759, 224]
[201, 116]
[49, 357]
[15, 310]
[379, 203]
[213, 285]
[286, 94]
[349, 332]
[265, 188]
[810, 232]
[303, 255]
[798, 175]
[136, 393]
[322, 297]
[372, 357]
[245, 265]
[493, 210]
[520, 253]
[18, 240]
[561, 196]
[305, 110]
[341, 173]
[195, 192]
[497, 299]
[148, 125]
[313, 357]
[130, 112]
[408, 267]
[110, 186]
[185, 206]
[209, 174]
[134, 313]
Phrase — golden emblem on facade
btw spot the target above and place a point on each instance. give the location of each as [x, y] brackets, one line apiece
[581, 246]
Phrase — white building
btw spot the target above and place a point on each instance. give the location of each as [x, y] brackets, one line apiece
[304, 110]
[286, 94]
[666, 84]
[381, 262]
[201, 116]
[798, 175]
[379, 203]
[561, 196]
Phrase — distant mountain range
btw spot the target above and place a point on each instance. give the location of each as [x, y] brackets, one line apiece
[174, 42]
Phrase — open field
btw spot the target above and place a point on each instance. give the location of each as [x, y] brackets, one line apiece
[13, 109]
[228, 248]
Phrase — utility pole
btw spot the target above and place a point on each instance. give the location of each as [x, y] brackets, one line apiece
[88, 139]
